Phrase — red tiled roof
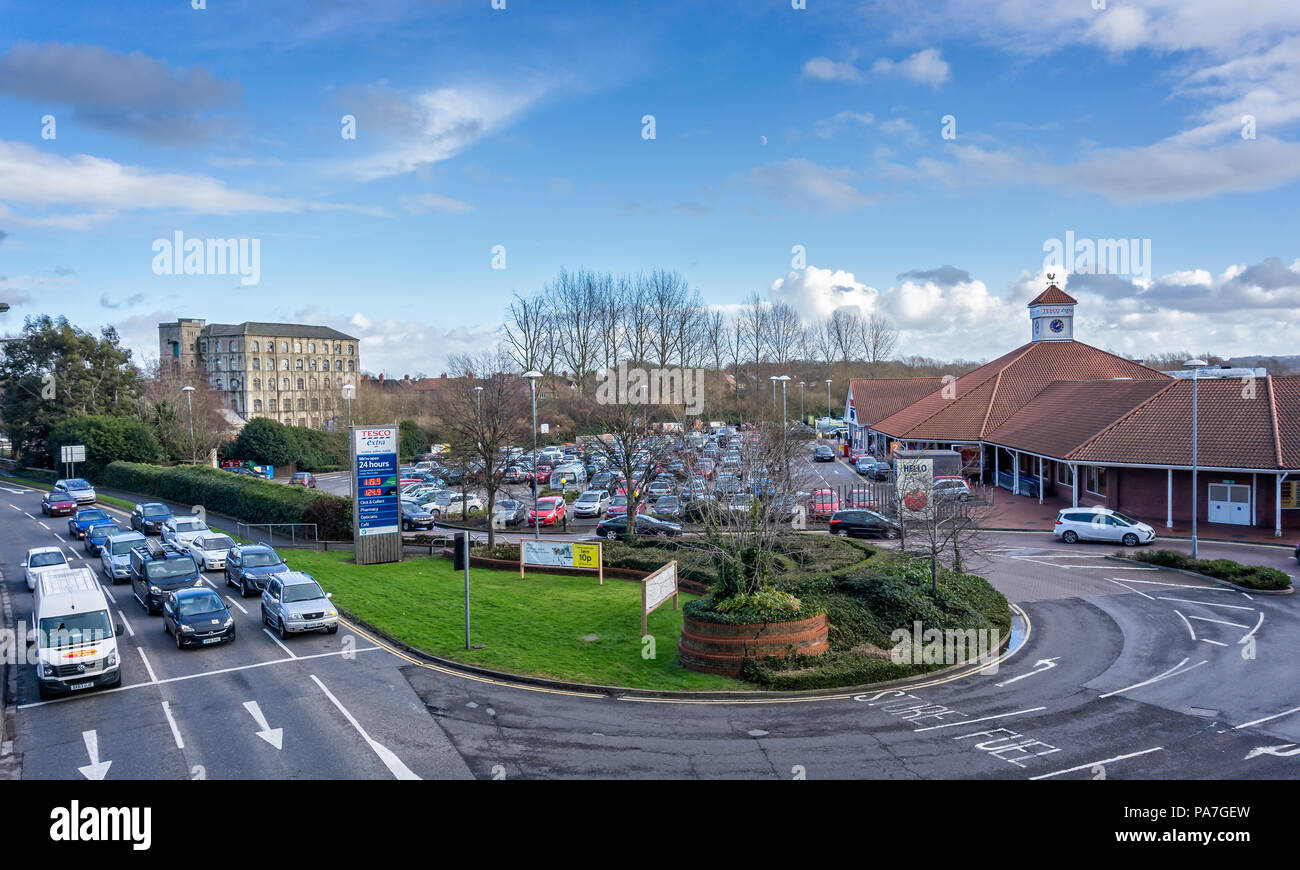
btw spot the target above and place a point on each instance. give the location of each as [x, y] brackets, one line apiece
[1053, 295]
[1237, 428]
[980, 401]
[876, 398]
[1067, 414]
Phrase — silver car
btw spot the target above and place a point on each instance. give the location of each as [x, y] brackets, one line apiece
[293, 602]
[592, 503]
[80, 490]
[115, 555]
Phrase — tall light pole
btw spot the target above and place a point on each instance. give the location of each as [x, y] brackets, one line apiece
[1195, 365]
[533, 376]
[784, 422]
[352, 473]
[773, 380]
[348, 390]
[189, 402]
[801, 413]
[478, 399]
[828, 400]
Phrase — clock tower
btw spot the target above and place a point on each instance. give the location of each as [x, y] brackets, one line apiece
[1051, 314]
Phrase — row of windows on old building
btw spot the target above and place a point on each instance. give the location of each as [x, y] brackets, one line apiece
[284, 385]
[255, 346]
[287, 405]
[235, 364]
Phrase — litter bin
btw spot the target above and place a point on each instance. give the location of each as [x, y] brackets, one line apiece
[845, 448]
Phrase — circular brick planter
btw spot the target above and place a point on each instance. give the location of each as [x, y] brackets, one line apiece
[713, 648]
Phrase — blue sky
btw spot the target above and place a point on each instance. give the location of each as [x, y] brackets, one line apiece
[774, 127]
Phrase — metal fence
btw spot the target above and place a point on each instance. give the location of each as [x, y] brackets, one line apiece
[882, 497]
[286, 534]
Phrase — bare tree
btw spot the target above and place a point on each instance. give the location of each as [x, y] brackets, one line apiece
[752, 326]
[634, 447]
[784, 333]
[525, 330]
[578, 298]
[877, 341]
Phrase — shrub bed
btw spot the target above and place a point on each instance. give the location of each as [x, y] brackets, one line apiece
[247, 499]
[1250, 576]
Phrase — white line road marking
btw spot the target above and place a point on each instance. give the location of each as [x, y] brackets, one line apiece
[204, 674]
[30, 517]
[1205, 603]
[1130, 588]
[60, 537]
[1039, 666]
[96, 769]
[1215, 642]
[981, 719]
[210, 583]
[1095, 763]
[1274, 750]
[129, 629]
[16, 507]
[1222, 621]
[237, 604]
[1172, 672]
[1190, 630]
[171, 720]
[273, 736]
[1179, 585]
[43, 526]
[391, 761]
[1248, 635]
[109, 593]
[1266, 718]
[278, 643]
[153, 678]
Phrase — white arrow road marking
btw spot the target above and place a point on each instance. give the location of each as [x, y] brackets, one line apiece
[1190, 630]
[1205, 603]
[391, 761]
[1039, 666]
[273, 736]
[171, 720]
[1274, 750]
[1172, 672]
[1248, 635]
[15, 491]
[1267, 718]
[96, 769]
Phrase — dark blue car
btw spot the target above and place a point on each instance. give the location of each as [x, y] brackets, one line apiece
[249, 565]
[97, 534]
[84, 518]
[148, 518]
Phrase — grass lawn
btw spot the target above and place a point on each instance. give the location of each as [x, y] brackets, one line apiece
[532, 626]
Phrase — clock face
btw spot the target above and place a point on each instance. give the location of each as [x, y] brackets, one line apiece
[1058, 325]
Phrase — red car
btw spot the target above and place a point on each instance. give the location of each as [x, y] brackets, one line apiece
[548, 512]
[58, 504]
[858, 453]
[860, 498]
[705, 468]
[618, 506]
[542, 473]
[823, 503]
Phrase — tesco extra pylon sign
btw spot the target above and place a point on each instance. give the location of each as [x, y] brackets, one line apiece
[382, 440]
[376, 481]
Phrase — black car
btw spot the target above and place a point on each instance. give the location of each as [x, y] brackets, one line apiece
[823, 453]
[197, 617]
[148, 518]
[862, 524]
[159, 569]
[512, 511]
[668, 506]
[415, 517]
[646, 526]
[601, 480]
[872, 469]
[248, 566]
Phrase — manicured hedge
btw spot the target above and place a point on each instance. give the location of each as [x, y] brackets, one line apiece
[247, 499]
[1249, 576]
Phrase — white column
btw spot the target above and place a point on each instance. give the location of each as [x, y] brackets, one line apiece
[1074, 480]
[1040, 480]
[1277, 507]
[1254, 499]
[1169, 499]
[1015, 472]
[981, 463]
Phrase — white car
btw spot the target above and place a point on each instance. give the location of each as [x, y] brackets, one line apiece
[209, 550]
[448, 503]
[592, 503]
[1101, 524]
[42, 560]
[182, 529]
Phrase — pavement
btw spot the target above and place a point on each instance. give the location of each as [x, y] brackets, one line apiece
[1124, 672]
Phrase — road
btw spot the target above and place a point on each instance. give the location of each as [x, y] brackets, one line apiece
[1127, 672]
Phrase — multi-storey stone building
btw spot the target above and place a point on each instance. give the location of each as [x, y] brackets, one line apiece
[289, 372]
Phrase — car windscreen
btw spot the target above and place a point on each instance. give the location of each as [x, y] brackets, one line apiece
[220, 542]
[101, 530]
[188, 525]
[122, 548]
[260, 559]
[88, 516]
[44, 560]
[74, 629]
[303, 592]
[193, 605]
[171, 569]
[508, 505]
[155, 510]
[77, 483]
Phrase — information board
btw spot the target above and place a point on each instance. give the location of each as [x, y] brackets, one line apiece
[656, 589]
[376, 510]
[561, 554]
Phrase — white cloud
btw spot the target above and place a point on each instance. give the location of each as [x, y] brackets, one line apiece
[926, 67]
[802, 184]
[828, 70]
[424, 202]
[829, 127]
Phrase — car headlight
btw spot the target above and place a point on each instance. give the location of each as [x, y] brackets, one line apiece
[198, 582]
[111, 661]
[230, 620]
[332, 613]
[47, 671]
[187, 628]
[155, 590]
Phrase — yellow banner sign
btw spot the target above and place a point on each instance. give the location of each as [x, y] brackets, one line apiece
[586, 555]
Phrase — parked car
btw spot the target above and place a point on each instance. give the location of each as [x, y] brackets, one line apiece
[159, 569]
[209, 550]
[58, 504]
[83, 519]
[414, 516]
[97, 534]
[859, 497]
[783, 508]
[542, 472]
[823, 453]
[871, 469]
[549, 511]
[862, 524]
[618, 506]
[668, 506]
[248, 566]
[148, 518]
[951, 487]
[42, 560]
[1101, 524]
[303, 478]
[197, 617]
[517, 474]
[510, 511]
[616, 527]
[447, 503]
[728, 484]
[592, 503]
[741, 503]
[822, 504]
[293, 602]
[115, 555]
[183, 529]
[659, 486]
[79, 488]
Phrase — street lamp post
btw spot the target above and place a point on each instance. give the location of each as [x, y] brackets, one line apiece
[801, 413]
[189, 391]
[352, 474]
[828, 400]
[532, 390]
[773, 380]
[1195, 365]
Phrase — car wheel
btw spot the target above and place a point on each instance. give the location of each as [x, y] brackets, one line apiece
[180, 644]
[243, 588]
[1070, 537]
[891, 533]
[264, 620]
[166, 627]
[1130, 540]
[284, 629]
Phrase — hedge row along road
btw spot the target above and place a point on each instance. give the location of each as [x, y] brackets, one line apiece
[1110, 682]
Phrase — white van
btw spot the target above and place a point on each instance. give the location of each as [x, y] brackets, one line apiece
[74, 634]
